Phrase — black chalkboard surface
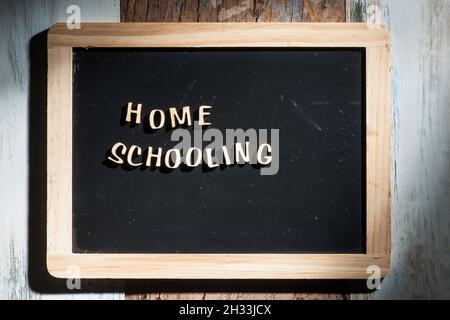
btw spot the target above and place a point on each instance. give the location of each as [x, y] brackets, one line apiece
[314, 204]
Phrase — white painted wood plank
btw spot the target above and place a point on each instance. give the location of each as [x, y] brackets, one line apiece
[420, 31]
[20, 21]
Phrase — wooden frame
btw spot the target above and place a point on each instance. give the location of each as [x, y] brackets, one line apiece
[60, 257]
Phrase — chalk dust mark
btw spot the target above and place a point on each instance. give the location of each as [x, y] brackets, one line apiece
[304, 115]
[189, 89]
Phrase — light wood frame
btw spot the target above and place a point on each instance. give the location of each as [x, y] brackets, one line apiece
[61, 41]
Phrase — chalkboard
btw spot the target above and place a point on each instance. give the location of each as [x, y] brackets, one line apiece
[218, 151]
[315, 203]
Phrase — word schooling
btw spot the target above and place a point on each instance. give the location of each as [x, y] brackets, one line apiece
[241, 152]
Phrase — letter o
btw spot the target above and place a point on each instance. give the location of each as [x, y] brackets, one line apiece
[189, 157]
[162, 120]
[177, 160]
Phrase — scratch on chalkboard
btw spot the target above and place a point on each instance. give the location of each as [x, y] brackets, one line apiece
[189, 89]
[304, 115]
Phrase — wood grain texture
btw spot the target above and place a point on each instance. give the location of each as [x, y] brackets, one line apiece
[185, 34]
[215, 266]
[420, 33]
[22, 116]
[378, 149]
[232, 11]
[59, 144]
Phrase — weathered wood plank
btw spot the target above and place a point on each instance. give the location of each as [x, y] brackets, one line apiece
[420, 32]
[236, 296]
[22, 129]
[324, 11]
[232, 10]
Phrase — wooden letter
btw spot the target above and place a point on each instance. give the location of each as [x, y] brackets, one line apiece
[114, 157]
[240, 153]
[268, 158]
[226, 155]
[185, 116]
[161, 121]
[136, 111]
[198, 158]
[151, 155]
[130, 156]
[176, 162]
[209, 160]
[201, 115]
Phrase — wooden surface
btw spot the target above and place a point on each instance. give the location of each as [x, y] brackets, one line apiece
[420, 32]
[232, 11]
[218, 266]
[59, 152]
[378, 150]
[22, 145]
[228, 35]
[421, 177]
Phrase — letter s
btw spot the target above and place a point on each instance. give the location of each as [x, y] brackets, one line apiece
[114, 157]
